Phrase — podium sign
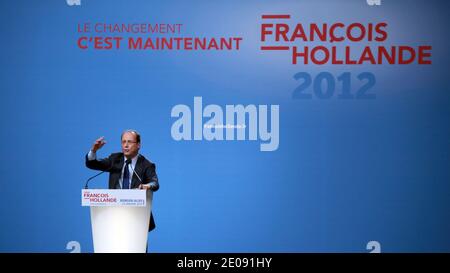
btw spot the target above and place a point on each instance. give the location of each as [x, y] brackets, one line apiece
[98, 197]
[119, 218]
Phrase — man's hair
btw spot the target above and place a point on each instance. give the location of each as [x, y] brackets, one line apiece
[138, 136]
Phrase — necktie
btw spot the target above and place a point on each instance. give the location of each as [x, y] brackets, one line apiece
[126, 177]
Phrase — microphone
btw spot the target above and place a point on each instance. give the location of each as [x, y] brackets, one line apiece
[92, 177]
[134, 170]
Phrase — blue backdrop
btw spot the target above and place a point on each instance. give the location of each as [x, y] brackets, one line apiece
[346, 172]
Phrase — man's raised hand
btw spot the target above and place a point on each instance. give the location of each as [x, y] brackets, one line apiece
[98, 144]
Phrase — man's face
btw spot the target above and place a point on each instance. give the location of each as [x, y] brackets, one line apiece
[130, 147]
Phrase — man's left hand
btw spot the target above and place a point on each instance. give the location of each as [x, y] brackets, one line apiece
[144, 186]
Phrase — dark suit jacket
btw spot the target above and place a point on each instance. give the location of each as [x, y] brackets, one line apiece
[114, 165]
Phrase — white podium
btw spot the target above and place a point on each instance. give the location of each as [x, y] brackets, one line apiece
[119, 219]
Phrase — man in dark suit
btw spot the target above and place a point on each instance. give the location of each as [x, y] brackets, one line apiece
[128, 169]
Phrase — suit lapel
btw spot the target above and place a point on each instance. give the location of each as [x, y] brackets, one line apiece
[119, 168]
[116, 172]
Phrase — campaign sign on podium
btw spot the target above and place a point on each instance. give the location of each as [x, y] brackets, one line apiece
[119, 219]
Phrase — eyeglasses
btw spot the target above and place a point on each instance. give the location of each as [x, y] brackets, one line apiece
[128, 142]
